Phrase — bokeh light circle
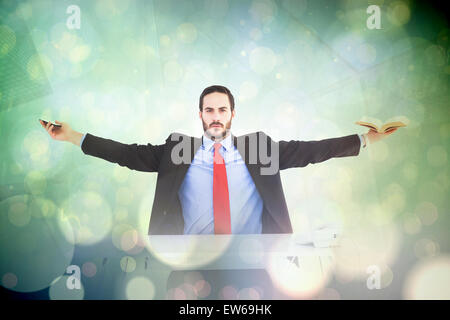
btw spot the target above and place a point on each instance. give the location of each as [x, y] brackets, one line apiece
[9, 280]
[299, 282]
[124, 237]
[202, 288]
[300, 278]
[398, 13]
[429, 279]
[426, 248]
[19, 214]
[263, 11]
[184, 291]
[140, 288]
[427, 212]
[249, 294]
[32, 246]
[89, 269]
[35, 182]
[128, 264]
[228, 293]
[87, 216]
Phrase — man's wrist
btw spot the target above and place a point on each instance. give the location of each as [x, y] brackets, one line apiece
[75, 138]
[362, 140]
[365, 140]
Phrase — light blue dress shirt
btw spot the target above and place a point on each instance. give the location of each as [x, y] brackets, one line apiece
[196, 191]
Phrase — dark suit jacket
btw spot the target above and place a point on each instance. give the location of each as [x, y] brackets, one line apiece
[166, 216]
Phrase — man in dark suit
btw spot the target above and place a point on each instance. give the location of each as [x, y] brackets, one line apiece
[218, 183]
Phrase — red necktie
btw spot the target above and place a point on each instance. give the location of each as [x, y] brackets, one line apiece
[221, 201]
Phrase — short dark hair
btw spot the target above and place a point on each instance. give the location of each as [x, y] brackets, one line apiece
[216, 88]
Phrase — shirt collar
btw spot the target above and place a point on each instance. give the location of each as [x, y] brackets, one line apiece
[208, 143]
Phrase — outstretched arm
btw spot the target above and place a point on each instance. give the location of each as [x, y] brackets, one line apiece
[136, 157]
[301, 153]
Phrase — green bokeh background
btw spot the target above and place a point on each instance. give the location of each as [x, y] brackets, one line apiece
[304, 70]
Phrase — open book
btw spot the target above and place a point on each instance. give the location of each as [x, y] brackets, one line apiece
[378, 126]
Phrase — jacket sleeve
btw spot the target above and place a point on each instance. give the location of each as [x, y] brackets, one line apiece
[136, 157]
[301, 153]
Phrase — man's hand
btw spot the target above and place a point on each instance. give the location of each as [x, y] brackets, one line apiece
[373, 136]
[63, 133]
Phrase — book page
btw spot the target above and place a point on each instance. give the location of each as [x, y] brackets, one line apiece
[374, 121]
[392, 125]
[377, 125]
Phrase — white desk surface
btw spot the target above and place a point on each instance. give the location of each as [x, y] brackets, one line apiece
[238, 251]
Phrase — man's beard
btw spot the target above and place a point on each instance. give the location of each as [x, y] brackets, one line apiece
[219, 136]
